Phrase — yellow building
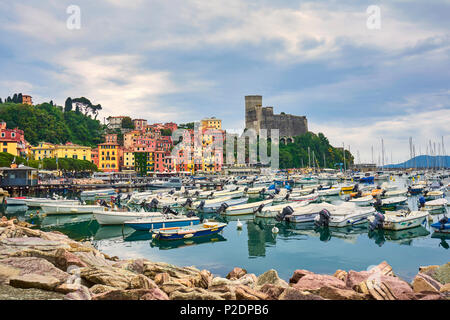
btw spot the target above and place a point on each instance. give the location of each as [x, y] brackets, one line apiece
[43, 150]
[68, 150]
[108, 157]
[9, 146]
[128, 160]
[211, 123]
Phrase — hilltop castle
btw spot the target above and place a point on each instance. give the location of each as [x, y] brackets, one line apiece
[258, 117]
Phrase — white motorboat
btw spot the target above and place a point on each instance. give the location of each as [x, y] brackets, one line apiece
[69, 208]
[433, 195]
[215, 206]
[247, 208]
[273, 211]
[39, 202]
[329, 192]
[347, 216]
[309, 197]
[391, 203]
[98, 194]
[394, 193]
[16, 201]
[308, 213]
[114, 217]
[435, 206]
[402, 219]
[362, 201]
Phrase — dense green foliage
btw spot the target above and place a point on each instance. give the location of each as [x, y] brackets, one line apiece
[49, 164]
[48, 123]
[166, 132]
[189, 125]
[127, 123]
[295, 154]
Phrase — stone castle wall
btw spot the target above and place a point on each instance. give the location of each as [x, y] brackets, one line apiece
[258, 117]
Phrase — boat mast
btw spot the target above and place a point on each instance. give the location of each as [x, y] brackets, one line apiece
[343, 150]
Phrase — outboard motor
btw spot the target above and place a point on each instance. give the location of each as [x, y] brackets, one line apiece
[190, 214]
[377, 203]
[286, 211]
[320, 187]
[277, 190]
[201, 205]
[443, 221]
[324, 218]
[262, 191]
[287, 196]
[104, 203]
[377, 223]
[153, 204]
[171, 192]
[356, 187]
[270, 196]
[167, 210]
[187, 203]
[196, 193]
[245, 189]
[259, 209]
[211, 195]
[222, 208]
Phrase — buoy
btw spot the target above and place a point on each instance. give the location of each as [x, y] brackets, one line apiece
[239, 224]
[275, 230]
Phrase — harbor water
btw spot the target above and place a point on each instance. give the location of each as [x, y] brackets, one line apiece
[257, 249]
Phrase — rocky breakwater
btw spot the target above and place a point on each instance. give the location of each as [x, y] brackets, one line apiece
[49, 265]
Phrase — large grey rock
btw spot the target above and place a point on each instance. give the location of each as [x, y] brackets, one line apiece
[33, 265]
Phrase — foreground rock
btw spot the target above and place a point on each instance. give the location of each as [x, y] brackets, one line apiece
[49, 265]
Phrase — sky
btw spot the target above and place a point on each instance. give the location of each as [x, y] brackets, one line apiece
[184, 60]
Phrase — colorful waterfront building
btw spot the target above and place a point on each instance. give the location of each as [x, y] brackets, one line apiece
[68, 150]
[13, 141]
[139, 124]
[211, 123]
[108, 157]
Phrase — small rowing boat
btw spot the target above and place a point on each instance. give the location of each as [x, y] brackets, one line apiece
[178, 233]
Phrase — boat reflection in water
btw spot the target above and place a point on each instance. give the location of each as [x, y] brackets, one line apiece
[348, 234]
[443, 237]
[111, 232]
[404, 237]
[166, 245]
[77, 227]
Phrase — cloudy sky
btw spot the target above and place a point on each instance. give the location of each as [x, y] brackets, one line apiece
[182, 60]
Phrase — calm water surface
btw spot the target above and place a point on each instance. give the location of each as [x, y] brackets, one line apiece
[257, 249]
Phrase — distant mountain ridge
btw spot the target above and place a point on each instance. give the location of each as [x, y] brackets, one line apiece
[423, 161]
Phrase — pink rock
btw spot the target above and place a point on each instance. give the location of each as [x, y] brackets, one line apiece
[298, 274]
[313, 282]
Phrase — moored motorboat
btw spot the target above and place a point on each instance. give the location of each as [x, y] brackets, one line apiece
[114, 217]
[273, 211]
[39, 202]
[69, 208]
[442, 226]
[435, 206]
[390, 203]
[362, 201]
[163, 221]
[178, 233]
[246, 208]
[401, 219]
[16, 201]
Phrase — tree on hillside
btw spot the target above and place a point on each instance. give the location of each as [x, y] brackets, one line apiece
[127, 123]
[68, 105]
[8, 99]
[15, 98]
[1, 100]
[20, 98]
[86, 105]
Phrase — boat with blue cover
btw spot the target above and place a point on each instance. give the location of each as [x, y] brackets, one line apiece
[442, 226]
[178, 233]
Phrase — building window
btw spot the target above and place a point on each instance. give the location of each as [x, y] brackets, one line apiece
[5, 150]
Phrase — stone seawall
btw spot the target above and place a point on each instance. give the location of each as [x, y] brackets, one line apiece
[40, 265]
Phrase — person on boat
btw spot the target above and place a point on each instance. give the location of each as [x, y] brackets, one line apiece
[422, 202]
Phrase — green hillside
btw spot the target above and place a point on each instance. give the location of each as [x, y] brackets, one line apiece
[47, 122]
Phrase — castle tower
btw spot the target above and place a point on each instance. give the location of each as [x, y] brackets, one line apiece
[253, 106]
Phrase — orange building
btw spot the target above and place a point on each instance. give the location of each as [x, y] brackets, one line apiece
[26, 99]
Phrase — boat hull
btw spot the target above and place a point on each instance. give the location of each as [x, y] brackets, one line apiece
[108, 218]
[161, 223]
[197, 233]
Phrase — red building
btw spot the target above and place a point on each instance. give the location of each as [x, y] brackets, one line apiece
[15, 135]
